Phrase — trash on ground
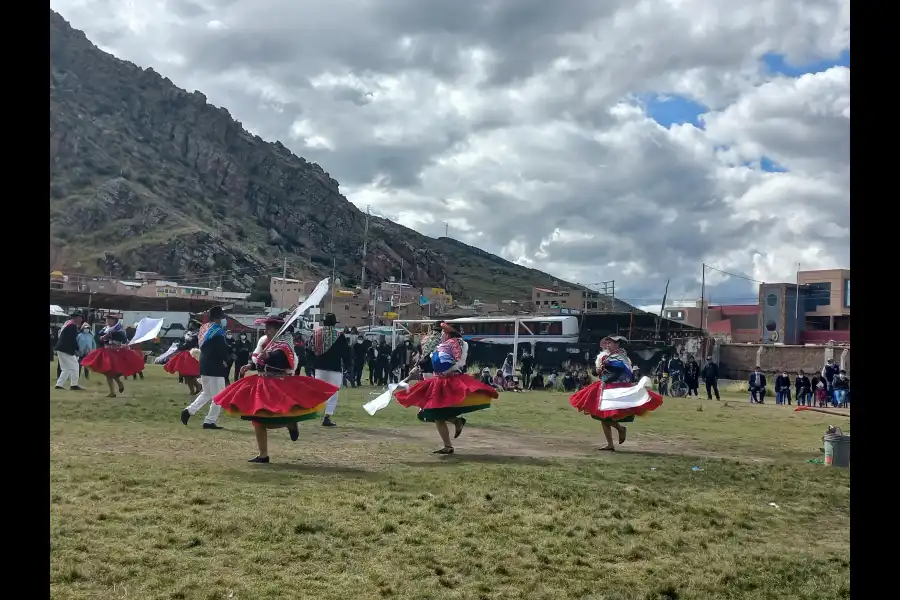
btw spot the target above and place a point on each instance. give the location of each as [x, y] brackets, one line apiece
[696, 469]
[773, 505]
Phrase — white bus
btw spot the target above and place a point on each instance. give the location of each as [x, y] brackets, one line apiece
[502, 330]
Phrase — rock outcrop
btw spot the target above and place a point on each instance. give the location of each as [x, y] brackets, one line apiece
[147, 176]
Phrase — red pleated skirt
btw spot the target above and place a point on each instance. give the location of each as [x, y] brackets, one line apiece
[587, 401]
[443, 392]
[114, 361]
[289, 396]
[183, 364]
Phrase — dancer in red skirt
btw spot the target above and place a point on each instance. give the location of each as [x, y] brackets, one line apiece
[276, 397]
[450, 393]
[114, 359]
[186, 366]
[615, 399]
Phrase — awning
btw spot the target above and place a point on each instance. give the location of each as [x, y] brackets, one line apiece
[57, 311]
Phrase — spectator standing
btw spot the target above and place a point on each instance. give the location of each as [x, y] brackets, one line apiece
[692, 376]
[803, 388]
[711, 378]
[829, 371]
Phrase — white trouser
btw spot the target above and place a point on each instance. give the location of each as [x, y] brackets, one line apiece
[211, 388]
[68, 364]
[335, 379]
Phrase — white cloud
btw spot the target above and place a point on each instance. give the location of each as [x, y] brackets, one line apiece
[519, 124]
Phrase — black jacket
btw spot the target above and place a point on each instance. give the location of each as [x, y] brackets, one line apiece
[829, 372]
[692, 371]
[68, 342]
[841, 384]
[359, 353]
[782, 382]
[676, 365]
[751, 381]
[336, 357]
[711, 371]
[802, 384]
[242, 350]
[118, 337]
[214, 356]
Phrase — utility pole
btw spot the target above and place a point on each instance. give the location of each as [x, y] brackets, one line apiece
[362, 278]
[703, 298]
[446, 235]
[333, 268]
[283, 281]
[662, 308]
[797, 309]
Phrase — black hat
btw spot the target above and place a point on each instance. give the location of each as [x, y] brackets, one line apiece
[330, 319]
[216, 312]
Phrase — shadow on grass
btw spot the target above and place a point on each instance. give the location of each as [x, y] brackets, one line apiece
[449, 460]
[275, 472]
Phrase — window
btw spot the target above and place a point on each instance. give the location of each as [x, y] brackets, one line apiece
[772, 300]
[817, 294]
[846, 293]
[675, 314]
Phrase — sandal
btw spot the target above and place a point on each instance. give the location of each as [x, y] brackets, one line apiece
[608, 449]
[460, 423]
[110, 395]
[444, 451]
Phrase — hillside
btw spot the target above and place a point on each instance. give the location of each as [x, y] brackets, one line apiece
[146, 176]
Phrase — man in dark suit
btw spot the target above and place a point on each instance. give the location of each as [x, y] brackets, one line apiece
[710, 375]
[757, 386]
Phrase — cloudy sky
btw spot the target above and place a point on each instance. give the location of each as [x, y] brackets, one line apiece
[616, 140]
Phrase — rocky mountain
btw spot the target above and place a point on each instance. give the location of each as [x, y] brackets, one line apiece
[147, 176]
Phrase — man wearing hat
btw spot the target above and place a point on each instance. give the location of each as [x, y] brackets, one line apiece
[214, 356]
[67, 351]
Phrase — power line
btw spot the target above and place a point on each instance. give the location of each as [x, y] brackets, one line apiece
[734, 274]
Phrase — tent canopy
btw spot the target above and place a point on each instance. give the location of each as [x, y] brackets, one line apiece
[57, 311]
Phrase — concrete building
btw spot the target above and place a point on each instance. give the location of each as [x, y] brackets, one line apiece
[733, 323]
[585, 301]
[827, 299]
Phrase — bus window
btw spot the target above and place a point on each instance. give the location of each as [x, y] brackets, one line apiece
[508, 328]
[555, 328]
[545, 328]
[527, 328]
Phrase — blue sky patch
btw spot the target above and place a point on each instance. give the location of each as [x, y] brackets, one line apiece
[770, 166]
[668, 110]
[776, 63]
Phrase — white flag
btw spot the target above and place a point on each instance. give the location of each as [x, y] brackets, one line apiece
[147, 329]
[312, 300]
[373, 406]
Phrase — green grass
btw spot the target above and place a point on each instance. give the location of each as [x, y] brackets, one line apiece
[142, 507]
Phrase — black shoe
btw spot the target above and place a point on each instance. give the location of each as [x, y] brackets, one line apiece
[294, 432]
[185, 415]
[76, 388]
[260, 459]
[58, 387]
[121, 388]
[211, 426]
[327, 422]
[460, 423]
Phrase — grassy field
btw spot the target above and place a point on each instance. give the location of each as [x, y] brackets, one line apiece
[143, 507]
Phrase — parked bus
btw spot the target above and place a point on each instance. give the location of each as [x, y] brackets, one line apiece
[502, 330]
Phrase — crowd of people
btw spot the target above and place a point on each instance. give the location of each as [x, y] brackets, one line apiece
[830, 386]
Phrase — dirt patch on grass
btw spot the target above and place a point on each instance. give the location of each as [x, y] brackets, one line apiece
[369, 447]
